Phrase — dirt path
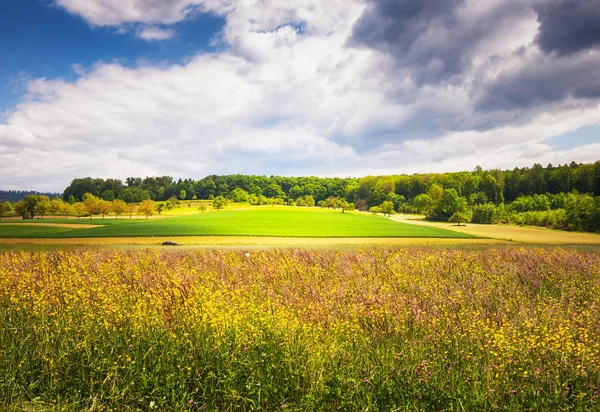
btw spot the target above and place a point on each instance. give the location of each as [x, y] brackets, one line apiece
[512, 233]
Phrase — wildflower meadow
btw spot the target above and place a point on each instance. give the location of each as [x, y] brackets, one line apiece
[296, 329]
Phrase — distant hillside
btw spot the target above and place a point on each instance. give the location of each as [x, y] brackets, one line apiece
[16, 195]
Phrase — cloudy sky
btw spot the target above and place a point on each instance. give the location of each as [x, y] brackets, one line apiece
[117, 88]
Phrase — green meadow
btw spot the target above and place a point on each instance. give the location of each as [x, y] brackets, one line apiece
[284, 222]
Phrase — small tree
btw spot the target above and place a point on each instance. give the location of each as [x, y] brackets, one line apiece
[182, 194]
[147, 207]
[91, 202]
[361, 205]
[219, 202]
[310, 201]
[160, 207]
[80, 209]
[5, 209]
[424, 204]
[333, 202]
[347, 206]
[103, 207]
[202, 207]
[461, 217]
[172, 202]
[131, 209]
[118, 207]
[462, 214]
[375, 209]
[29, 205]
[43, 206]
[55, 206]
[67, 209]
[387, 208]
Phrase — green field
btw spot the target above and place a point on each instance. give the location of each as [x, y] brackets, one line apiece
[19, 231]
[283, 222]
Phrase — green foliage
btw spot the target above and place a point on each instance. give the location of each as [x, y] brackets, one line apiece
[333, 202]
[375, 210]
[461, 216]
[219, 203]
[118, 207]
[449, 203]
[582, 212]
[530, 204]
[147, 208]
[295, 192]
[5, 209]
[32, 205]
[556, 219]
[486, 213]
[435, 193]
[534, 189]
[346, 206]
[182, 194]
[239, 195]
[274, 191]
[387, 208]
[424, 204]
[108, 195]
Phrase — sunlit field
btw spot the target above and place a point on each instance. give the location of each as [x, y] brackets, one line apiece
[286, 222]
[409, 329]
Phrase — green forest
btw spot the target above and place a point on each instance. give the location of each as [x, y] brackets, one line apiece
[563, 197]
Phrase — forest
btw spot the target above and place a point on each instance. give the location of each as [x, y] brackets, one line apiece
[563, 196]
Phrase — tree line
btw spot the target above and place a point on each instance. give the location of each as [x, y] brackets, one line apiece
[479, 186]
[563, 196]
[16, 195]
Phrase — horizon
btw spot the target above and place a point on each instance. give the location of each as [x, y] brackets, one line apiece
[117, 88]
[123, 180]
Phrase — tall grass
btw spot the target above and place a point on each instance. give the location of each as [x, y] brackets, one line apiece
[409, 329]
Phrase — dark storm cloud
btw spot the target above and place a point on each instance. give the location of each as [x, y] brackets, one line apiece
[432, 37]
[568, 26]
[397, 27]
[542, 82]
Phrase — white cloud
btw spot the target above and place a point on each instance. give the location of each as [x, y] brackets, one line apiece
[155, 33]
[278, 100]
[117, 12]
[15, 136]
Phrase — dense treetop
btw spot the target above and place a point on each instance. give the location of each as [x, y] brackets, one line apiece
[479, 186]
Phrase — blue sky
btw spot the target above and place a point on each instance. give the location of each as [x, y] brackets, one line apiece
[117, 88]
[40, 39]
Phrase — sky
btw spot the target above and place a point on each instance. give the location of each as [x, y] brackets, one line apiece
[188, 88]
